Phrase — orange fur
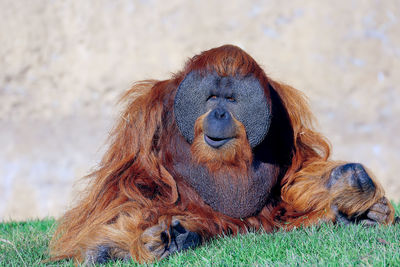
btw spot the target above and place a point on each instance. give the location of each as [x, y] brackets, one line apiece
[133, 190]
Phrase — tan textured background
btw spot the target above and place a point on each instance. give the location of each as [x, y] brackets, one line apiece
[63, 65]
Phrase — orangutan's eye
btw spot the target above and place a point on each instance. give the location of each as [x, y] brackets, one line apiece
[230, 99]
[212, 97]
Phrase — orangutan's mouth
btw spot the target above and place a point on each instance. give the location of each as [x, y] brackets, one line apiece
[216, 142]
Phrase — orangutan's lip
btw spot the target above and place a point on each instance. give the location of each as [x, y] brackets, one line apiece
[216, 142]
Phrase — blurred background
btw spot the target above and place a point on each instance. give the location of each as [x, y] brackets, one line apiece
[64, 64]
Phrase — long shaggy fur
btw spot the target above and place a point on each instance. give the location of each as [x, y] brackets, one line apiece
[135, 187]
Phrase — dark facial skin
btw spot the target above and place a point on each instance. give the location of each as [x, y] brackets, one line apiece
[241, 97]
[219, 126]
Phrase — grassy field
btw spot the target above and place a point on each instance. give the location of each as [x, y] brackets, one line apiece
[25, 244]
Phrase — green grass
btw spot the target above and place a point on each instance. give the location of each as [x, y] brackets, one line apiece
[25, 243]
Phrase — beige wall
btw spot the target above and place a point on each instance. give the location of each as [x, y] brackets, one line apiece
[63, 65]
